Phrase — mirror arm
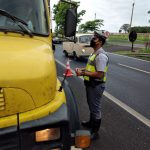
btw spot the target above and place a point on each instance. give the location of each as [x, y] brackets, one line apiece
[68, 39]
[75, 39]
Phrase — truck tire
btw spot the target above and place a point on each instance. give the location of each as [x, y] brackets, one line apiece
[72, 107]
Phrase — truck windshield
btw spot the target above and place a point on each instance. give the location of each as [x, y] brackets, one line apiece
[30, 11]
[85, 38]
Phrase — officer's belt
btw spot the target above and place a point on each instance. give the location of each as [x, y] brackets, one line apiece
[93, 83]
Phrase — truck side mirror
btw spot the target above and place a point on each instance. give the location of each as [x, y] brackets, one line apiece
[70, 22]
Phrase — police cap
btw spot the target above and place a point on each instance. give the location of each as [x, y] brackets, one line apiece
[100, 37]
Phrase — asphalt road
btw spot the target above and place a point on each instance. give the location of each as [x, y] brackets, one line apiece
[128, 81]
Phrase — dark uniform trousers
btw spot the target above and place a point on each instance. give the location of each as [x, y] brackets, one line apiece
[94, 93]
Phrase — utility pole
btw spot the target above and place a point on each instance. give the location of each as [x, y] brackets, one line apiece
[131, 16]
[95, 17]
[131, 24]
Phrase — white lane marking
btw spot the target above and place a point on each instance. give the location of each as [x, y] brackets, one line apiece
[128, 109]
[129, 57]
[134, 68]
[60, 63]
[119, 103]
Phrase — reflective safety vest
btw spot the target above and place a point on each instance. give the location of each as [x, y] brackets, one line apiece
[91, 68]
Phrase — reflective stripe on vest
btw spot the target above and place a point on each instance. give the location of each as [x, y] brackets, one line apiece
[91, 67]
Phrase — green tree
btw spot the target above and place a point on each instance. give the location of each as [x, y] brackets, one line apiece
[59, 12]
[125, 28]
[138, 29]
[120, 31]
[91, 25]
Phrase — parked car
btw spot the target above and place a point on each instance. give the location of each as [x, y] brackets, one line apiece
[57, 40]
[81, 48]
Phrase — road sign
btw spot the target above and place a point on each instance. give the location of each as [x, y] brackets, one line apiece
[132, 36]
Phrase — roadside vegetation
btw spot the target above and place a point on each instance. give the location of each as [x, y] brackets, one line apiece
[142, 54]
[142, 38]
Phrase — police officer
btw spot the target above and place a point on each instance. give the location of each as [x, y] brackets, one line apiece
[94, 78]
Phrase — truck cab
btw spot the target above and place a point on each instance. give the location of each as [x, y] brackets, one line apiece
[34, 113]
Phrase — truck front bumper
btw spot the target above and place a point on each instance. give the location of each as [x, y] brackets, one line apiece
[23, 137]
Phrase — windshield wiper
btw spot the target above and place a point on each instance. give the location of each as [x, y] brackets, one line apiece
[22, 24]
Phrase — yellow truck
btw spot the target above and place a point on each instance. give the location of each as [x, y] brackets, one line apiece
[34, 112]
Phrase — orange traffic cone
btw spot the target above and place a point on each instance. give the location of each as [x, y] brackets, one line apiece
[68, 72]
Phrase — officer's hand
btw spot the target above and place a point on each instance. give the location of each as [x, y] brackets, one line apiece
[78, 71]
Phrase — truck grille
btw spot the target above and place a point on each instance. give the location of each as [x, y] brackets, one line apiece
[2, 100]
[8, 142]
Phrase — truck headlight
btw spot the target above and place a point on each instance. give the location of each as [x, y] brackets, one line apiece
[47, 134]
[83, 50]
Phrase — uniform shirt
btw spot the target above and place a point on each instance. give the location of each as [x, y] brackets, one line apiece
[101, 60]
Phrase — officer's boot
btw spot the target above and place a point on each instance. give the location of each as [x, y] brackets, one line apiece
[95, 128]
[87, 124]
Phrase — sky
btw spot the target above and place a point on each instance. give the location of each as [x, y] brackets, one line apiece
[115, 13]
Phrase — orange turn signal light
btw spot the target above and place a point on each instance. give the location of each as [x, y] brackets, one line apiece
[47, 134]
[82, 139]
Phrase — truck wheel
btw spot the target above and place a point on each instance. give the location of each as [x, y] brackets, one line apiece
[72, 108]
[65, 52]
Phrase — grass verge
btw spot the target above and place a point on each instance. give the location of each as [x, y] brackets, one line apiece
[141, 54]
